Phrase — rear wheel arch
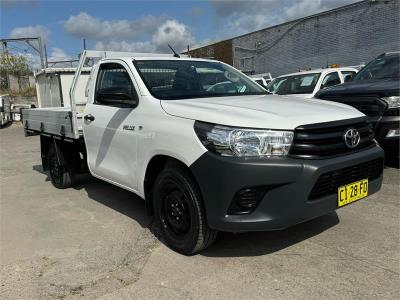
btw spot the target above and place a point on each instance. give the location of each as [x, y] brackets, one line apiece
[75, 151]
[45, 143]
[61, 168]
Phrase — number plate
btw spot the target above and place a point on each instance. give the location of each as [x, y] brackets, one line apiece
[352, 192]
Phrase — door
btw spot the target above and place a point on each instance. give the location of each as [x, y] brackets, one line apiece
[109, 126]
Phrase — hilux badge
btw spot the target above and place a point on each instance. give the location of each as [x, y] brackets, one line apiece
[352, 138]
[128, 127]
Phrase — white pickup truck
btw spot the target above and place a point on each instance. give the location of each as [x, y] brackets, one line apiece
[206, 147]
[306, 84]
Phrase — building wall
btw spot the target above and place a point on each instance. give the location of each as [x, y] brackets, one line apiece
[351, 35]
[21, 83]
[221, 51]
[20, 100]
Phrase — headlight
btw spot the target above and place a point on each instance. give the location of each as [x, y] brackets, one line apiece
[392, 101]
[243, 142]
[393, 133]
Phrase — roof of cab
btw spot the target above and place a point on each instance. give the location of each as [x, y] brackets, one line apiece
[320, 71]
[184, 58]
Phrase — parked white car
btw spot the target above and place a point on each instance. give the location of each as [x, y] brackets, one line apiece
[262, 79]
[307, 83]
[206, 147]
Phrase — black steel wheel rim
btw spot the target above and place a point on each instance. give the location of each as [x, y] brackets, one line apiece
[174, 209]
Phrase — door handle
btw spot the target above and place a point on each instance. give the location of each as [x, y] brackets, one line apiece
[89, 118]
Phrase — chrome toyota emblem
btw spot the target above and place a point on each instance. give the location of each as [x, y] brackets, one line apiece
[351, 138]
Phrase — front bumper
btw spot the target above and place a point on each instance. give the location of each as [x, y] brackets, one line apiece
[285, 204]
[389, 144]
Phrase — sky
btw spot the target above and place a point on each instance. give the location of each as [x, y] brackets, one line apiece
[144, 26]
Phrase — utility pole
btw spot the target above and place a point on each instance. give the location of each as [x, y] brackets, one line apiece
[4, 43]
[7, 80]
[45, 56]
[84, 44]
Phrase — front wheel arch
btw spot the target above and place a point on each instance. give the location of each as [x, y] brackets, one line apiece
[156, 164]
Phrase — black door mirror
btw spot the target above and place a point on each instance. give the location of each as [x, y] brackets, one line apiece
[117, 96]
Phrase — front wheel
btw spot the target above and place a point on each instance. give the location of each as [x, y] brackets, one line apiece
[180, 213]
[61, 171]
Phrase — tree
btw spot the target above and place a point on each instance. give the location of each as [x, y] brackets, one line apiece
[15, 65]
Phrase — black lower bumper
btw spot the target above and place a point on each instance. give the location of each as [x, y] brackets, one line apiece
[289, 183]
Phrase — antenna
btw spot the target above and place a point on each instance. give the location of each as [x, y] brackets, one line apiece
[172, 49]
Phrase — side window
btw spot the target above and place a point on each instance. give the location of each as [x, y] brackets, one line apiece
[348, 75]
[330, 79]
[114, 86]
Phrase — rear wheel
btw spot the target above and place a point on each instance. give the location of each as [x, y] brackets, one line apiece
[61, 170]
[180, 213]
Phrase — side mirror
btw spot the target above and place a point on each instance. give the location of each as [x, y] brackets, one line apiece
[119, 96]
[348, 77]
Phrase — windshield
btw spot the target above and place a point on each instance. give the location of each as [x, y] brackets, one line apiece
[382, 67]
[185, 79]
[295, 84]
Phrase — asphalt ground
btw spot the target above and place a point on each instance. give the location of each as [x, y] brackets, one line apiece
[96, 241]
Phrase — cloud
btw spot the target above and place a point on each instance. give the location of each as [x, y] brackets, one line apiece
[31, 31]
[304, 8]
[226, 8]
[85, 25]
[235, 17]
[244, 23]
[125, 46]
[58, 54]
[146, 34]
[172, 32]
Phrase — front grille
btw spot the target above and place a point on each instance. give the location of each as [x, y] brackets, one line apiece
[328, 183]
[327, 139]
[393, 112]
[370, 106]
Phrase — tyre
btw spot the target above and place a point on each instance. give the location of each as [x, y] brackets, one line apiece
[61, 171]
[179, 212]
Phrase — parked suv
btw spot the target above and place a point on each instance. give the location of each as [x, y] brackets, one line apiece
[375, 91]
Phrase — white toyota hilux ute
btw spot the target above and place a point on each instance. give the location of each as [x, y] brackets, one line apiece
[206, 147]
